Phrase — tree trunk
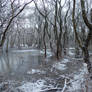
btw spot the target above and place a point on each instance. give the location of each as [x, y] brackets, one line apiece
[45, 50]
[86, 59]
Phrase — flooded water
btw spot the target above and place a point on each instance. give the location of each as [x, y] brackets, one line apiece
[18, 63]
[31, 66]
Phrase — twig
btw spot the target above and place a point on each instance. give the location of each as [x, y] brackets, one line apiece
[65, 85]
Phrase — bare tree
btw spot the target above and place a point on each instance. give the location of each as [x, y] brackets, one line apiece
[84, 46]
[14, 14]
[45, 29]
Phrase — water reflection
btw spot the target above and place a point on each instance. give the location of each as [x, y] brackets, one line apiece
[19, 62]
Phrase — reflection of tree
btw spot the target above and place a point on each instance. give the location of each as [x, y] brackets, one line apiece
[5, 63]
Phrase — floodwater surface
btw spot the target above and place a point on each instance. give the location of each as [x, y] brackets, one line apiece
[19, 62]
[30, 65]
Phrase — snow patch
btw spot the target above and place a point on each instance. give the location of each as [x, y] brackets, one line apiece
[79, 79]
[77, 58]
[38, 86]
[70, 53]
[60, 66]
[33, 71]
[71, 48]
[32, 87]
[65, 61]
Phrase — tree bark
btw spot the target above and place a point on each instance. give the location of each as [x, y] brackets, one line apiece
[84, 46]
[86, 59]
